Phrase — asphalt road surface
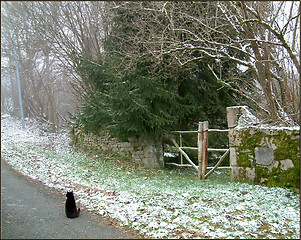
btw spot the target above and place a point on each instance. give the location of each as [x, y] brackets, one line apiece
[30, 209]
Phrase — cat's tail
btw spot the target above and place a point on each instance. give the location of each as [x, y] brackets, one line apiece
[78, 211]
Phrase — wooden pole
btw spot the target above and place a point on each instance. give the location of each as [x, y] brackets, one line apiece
[200, 155]
[200, 140]
[203, 148]
[206, 130]
[181, 145]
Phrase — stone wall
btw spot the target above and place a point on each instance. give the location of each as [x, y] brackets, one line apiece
[143, 151]
[263, 154]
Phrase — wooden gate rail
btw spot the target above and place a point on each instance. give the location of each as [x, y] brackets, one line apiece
[185, 154]
[209, 130]
[209, 149]
[217, 164]
[202, 150]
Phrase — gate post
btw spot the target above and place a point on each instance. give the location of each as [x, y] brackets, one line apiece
[203, 148]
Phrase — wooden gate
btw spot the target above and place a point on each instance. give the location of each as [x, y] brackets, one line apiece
[202, 149]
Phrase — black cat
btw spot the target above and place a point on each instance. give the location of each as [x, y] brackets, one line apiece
[70, 207]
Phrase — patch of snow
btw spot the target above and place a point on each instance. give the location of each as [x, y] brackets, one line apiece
[248, 119]
[159, 206]
[170, 154]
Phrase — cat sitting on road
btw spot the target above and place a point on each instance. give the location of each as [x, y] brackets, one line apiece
[70, 207]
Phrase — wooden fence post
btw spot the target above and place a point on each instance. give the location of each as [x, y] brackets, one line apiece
[181, 145]
[203, 148]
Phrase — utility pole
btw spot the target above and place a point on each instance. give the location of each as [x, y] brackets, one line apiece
[18, 82]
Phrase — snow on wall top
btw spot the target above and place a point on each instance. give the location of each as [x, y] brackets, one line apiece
[247, 120]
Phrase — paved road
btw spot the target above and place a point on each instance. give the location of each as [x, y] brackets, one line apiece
[29, 209]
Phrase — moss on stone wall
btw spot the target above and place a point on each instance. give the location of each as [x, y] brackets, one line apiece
[244, 159]
[289, 178]
[285, 147]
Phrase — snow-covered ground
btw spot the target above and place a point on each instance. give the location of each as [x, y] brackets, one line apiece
[161, 203]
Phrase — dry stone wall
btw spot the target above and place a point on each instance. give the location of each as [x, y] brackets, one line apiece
[258, 154]
[144, 152]
[263, 154]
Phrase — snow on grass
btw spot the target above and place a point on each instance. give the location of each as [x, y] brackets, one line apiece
[157, 203]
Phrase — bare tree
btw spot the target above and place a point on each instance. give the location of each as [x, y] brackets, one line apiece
[49, 36]
[38, 66]
[73, 29]
[261, 38]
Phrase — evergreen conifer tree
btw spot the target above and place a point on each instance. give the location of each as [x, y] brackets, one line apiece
[144, 96]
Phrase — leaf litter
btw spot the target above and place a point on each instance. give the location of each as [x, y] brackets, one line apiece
[168, 203]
